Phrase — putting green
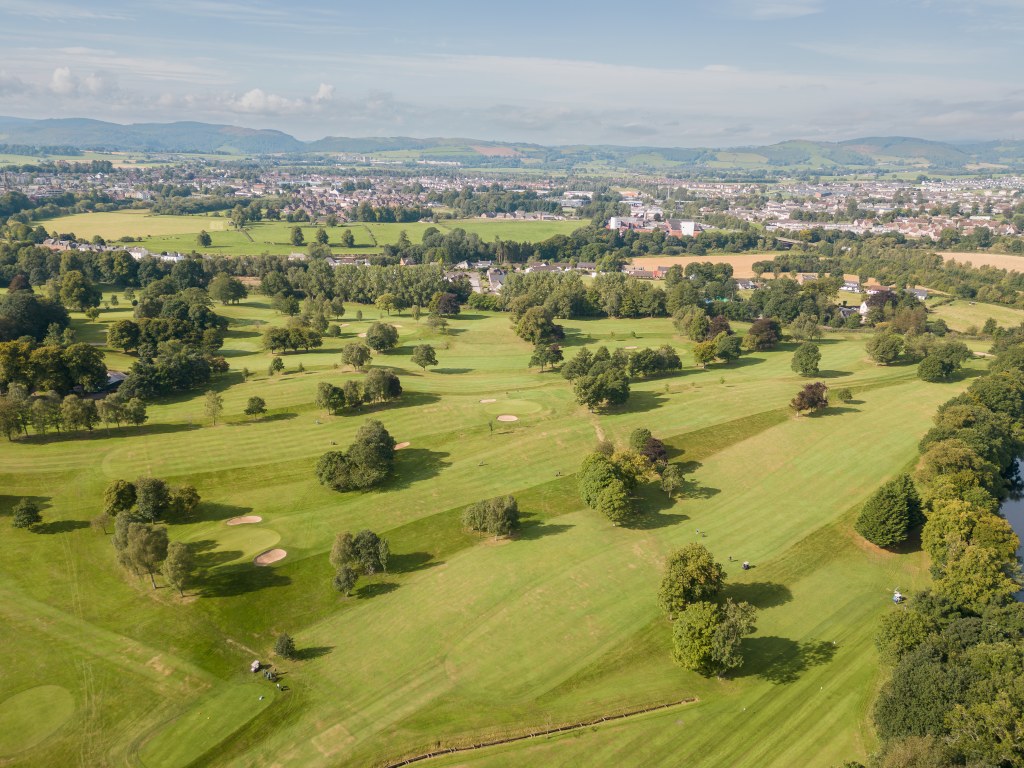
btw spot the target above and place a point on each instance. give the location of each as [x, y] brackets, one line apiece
[30, 717]
[242, 541]
[209, 722]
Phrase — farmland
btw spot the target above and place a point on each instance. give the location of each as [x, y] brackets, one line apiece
[178, 233]
[464, 637]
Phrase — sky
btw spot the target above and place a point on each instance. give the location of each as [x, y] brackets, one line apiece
[657, 73]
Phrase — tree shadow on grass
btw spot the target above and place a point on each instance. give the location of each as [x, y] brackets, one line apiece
[780, 660]
[7, 503]
[313, 652]
[61, 526]
[452, 370]
[367, 591]
[240, 579]
[575, 338]
[740, 362]
[760, 594]
[208, 556]
[531, 528]
[833, 374]
[104, 434]
[641, 401]
[263, 419]
[413, 465]
[649, 521]
[211, 510]
[407, 400]
[836, 410]
[407, 562]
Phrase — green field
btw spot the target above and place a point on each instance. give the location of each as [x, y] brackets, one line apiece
[178, 233]
[466, 637]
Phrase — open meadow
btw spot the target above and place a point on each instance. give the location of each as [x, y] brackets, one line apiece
[178, 233]
[465, 637]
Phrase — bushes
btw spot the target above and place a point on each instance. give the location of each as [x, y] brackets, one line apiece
[365, 553]
[806, 359]
[606, 487]
[381, 337]
[498, 516]
[691, 575]
[367, 462]
[813, 397]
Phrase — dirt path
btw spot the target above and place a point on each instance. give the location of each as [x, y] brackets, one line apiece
[535, 734]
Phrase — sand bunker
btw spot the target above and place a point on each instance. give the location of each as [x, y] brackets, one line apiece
[489, 400]
[245, 520]
[400, 446]
[629, 347]
[343, 325]
[270, 556]
[508, 417]
[395, 325]
[361, 335]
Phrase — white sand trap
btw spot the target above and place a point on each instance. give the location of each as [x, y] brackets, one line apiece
[361, 335]
[508, 417]
[400, 446]
[489, 400]
[343, 325]
[270, 556]
[245, 520]
[629, 347]
[395, 325]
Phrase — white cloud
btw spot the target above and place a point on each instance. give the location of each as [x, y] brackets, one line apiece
[324, 93]
[259, 102]
[63, 82]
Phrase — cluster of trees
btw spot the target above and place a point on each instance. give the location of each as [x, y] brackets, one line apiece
[149, 499]
[957, 649]
[144, 549]
[175, 335]
[55, 365]
[295, 337]
[317, 279]
[706, 632]
[608, 479]
[365, 553]
[24, 314]
[47, 410]
[366, 211]
[599, 379]
[498, 516]
[366, 463]
[379, 386]
[176, 367]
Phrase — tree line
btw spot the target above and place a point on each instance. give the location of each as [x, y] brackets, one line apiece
[956, 649]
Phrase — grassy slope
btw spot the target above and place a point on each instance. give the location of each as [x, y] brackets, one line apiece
[178, 233]
[463, 636]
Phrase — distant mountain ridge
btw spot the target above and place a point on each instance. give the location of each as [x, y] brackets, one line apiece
[196, 137]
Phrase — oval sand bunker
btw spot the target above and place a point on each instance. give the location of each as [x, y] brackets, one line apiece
[361, 335]
[489, 400]
[270, 556]
[508, 417]
[245, 520]
[400, 446]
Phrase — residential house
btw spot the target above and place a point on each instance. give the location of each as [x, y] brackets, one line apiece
[496, 280]
[680, 228]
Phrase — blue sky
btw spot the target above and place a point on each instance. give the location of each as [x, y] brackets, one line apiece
[727, 73]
